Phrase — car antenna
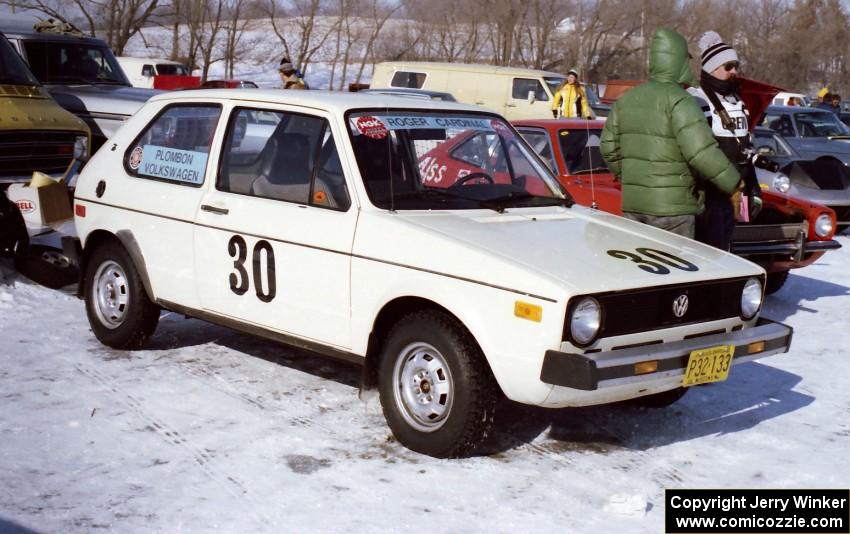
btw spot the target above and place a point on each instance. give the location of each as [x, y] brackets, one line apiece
[593, 204]
[390, 164]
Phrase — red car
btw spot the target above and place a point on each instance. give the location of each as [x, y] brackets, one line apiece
[789, 233]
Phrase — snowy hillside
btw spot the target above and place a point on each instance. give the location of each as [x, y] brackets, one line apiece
[210, 430]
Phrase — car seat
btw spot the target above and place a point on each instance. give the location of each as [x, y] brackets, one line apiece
[285, 169]
[88, 68]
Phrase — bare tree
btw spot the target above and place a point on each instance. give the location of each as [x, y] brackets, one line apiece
[118, 20]
[379, 13]
[205, 21]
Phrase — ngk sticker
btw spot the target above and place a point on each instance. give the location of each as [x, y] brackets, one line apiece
[371, 127]
[25, 206]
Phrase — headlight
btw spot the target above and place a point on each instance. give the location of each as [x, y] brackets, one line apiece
[584, 321]
[781, 183]
[751, 298]
[823, 225]
[81, 147]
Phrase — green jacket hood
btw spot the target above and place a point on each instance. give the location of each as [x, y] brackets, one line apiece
[668, 58]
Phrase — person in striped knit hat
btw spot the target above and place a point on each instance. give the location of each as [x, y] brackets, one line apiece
[727, 115]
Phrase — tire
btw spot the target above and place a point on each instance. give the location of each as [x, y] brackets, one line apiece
[660, 400]
[46, 266]
[120, 313]
[775, 281]
[429, 348]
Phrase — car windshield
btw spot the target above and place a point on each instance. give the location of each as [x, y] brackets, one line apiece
[819, 124]
[412, 160]
[169, 69]
[65, 62]
[13, 70]
[581, 150]
[554, 82]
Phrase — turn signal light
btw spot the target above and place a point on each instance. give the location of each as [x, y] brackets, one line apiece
[79, 210]
[525, 310]
[755, 347]
[642, 368]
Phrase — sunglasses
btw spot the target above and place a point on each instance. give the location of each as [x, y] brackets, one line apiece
[731, 65]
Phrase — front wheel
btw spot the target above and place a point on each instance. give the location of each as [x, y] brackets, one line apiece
[120, 313]
[775, 281]
[437, 391]
[660, 400]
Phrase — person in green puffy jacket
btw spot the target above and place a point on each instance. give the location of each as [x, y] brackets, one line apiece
[656, 141]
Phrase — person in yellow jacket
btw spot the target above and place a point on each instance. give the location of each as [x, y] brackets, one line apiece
[570, 98]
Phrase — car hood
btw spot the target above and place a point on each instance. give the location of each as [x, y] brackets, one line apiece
[37, 113]
[824, 144]
[542, 251]
[111, 99]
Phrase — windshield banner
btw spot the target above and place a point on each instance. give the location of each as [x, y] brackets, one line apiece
[376, 126]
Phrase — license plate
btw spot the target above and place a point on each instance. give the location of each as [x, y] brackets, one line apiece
[708, 365]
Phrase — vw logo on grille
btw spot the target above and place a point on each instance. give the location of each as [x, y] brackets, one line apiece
[680, 305]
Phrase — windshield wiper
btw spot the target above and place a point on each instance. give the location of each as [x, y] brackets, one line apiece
[69, 77]
[519, 197]
[587, 171]
[15, 81]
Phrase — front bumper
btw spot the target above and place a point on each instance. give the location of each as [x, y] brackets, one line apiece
[590, 372]
[775, 239]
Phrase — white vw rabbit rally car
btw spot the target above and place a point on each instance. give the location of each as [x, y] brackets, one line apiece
[424, 240]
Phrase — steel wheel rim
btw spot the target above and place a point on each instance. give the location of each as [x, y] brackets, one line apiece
[111, 294]
[423, 387]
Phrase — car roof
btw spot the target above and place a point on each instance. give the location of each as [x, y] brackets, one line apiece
[19, 29]
[405, 91]
[477, 67]
[569, 124]
[796, 109]
[337, 101]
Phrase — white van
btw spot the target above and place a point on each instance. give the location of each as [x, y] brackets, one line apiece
[513, 92]
[141, 71]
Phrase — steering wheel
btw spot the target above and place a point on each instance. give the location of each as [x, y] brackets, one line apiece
[474, 176]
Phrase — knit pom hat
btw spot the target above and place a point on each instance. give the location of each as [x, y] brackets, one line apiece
[714, 52]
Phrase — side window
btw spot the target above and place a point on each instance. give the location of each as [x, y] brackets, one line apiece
[175, 146]
[768, 144]
[411, 80]
[522, 86]
[282, 156]
[779, 123]
[539, 141]
[147, 70]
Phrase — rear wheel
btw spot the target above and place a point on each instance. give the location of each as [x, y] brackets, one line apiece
[120, 313]
[775, 281]
[437, 391]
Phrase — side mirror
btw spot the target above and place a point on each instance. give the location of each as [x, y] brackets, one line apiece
[532, 97]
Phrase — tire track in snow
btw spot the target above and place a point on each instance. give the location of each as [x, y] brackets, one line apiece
[215, 381]
[203, 460]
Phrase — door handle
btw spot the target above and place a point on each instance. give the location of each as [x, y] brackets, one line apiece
[215, 209]
[480, 103]
[510, 105]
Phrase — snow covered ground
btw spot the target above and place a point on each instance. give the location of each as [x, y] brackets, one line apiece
[210, 430]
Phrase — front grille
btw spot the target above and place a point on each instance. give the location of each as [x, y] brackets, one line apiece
[642, 310]
[22, 152]
[767, 233]
[842, 213]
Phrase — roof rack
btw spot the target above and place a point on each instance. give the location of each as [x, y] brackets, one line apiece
[56, 26]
